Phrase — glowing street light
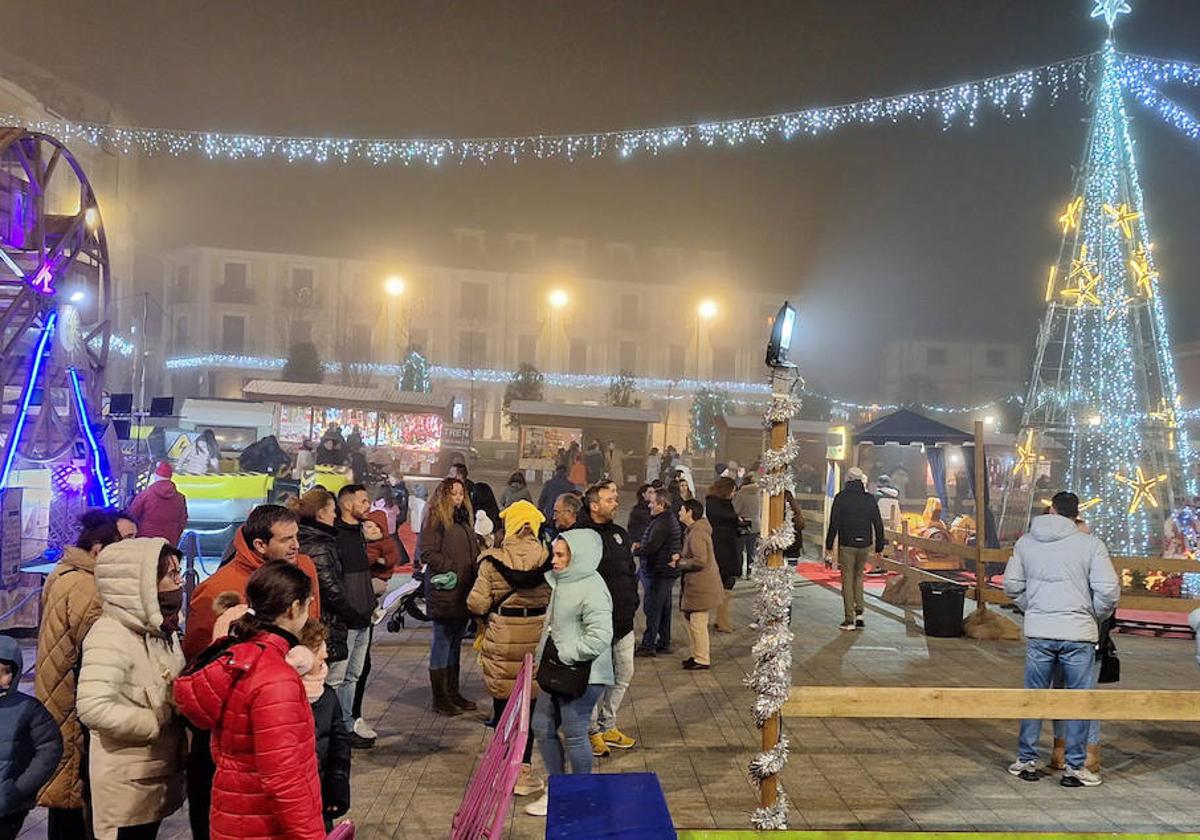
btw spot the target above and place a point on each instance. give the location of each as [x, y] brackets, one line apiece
[77, 296]
[91, 218]
[558, 298]
[394, 285]
[707, 309]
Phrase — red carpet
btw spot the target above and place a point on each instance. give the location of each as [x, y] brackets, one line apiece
[817, 573]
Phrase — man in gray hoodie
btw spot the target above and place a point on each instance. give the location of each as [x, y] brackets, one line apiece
[1063, 581]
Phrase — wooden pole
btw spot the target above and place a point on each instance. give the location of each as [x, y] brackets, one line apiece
[980, 519]
[769, 790]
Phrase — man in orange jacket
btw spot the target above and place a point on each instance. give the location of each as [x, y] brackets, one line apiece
[269, 534]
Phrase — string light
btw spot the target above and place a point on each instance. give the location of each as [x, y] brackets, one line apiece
[1008, 94]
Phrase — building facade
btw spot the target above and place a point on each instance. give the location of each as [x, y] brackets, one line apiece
[954, 372]
[567, 306]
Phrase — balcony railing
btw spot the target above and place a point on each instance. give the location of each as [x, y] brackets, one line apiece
[233, 294]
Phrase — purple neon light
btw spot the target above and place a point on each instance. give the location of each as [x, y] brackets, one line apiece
[14, 437]
[43, 281]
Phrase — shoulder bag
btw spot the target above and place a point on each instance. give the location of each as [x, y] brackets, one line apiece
[557, 677]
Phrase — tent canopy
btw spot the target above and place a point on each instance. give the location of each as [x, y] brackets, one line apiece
[906, 427]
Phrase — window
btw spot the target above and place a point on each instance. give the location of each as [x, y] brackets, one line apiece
[233, 334]
[180, 338]
[181, 291]
[360, 343]
[670, 258]
[621, 253]
[936, 356]
[474, 301]
[418, 340]
[675, 361]
[627, 356]
[724, 361]
[521, 245]
[300, 332]
[472, 349]
[996, 357]
[572, 249]
[527, 349]
[469, 239]
[235, 277]
[578, 360]
[302, 285]
[629, 313]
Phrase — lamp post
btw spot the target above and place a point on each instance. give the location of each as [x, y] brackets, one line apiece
[558, 299]
[705, 311]
[395, 287]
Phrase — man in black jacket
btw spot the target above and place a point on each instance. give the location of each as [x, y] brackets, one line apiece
[359, 598]
[552, 489]
[620, 575]
[659, 549]
[855, 523]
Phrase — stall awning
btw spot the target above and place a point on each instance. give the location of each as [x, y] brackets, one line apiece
[602, 413]
[906, 427]
[343, 396]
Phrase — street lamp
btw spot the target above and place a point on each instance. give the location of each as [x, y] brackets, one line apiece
[705, 311]
[780, 345]
[394, 285]
[558, 298]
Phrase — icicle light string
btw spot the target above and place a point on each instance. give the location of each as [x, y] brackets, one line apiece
[1009, 94]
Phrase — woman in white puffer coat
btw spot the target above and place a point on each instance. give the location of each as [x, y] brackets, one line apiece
[131, 656]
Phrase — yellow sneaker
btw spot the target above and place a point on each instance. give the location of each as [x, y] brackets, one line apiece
[599, 748]
[617, 739]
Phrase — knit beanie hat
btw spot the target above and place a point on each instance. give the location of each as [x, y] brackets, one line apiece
[518, 515]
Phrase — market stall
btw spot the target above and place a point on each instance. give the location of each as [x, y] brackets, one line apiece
[546, 427]
[405, 426]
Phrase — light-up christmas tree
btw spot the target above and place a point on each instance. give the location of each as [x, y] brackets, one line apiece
[1103, 398]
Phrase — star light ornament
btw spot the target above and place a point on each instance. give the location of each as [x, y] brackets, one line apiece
[1070, 217]
[1123, 217]
[1026, 456]
[1144, 274]
[1143, 488]
[1110, 9]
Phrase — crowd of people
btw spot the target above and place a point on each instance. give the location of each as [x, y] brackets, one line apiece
[251, 707]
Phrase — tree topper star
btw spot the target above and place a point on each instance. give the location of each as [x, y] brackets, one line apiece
[1143, 488]
[1110, 9]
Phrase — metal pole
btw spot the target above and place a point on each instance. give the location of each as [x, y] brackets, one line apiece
[980, 520]
[769, 790]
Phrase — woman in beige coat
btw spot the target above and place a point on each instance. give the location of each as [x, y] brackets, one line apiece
[701, 589]
[511, 595]
[131, 656]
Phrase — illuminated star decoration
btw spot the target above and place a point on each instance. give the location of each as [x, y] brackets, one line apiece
[1026, 456]
[1081, 266]
[1085, 292]
[1109, 9]
[1050, 283]
[1144, 274]
[1123, 217]
[1143, 488]
[1070, 217]
[1117, 308]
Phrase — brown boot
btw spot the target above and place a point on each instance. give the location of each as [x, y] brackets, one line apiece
[1092, 762]
[452, 691]
[439, 682]
[1058, 755]
[723, 624]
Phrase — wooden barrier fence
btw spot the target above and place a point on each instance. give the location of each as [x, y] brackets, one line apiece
[1130, 599]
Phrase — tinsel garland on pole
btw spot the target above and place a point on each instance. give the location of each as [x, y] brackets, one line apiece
[771, 678]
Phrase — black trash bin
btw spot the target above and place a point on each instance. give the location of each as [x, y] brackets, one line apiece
[942, 603]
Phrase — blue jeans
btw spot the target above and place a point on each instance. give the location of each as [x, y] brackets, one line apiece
[573, 717]
[446, 647]
[1074, 661]
[658, 613]
[1093, 731]
[343, 676]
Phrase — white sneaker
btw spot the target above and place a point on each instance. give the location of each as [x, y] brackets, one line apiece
[539, 806]
[1024, 769]
[1081, 777]
[363, 730]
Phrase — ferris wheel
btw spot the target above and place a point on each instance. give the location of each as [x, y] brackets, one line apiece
[55, 294]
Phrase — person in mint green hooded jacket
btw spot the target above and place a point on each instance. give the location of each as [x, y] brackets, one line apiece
[580, 621]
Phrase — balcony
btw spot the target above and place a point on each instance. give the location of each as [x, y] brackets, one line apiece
[233, 294]
[300, 297]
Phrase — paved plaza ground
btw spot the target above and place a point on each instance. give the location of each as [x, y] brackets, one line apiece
[694, 731]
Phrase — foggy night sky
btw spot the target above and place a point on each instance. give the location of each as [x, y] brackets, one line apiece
[886, 231]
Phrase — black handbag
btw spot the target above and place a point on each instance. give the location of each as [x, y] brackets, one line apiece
[560, 679]
[1110, 663]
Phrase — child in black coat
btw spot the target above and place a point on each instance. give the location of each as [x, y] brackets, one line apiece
[30, 744]
[333, 739]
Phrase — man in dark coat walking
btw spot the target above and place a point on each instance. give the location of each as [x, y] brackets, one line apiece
[855, 523]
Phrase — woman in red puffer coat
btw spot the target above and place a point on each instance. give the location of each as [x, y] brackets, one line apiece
[263, 741]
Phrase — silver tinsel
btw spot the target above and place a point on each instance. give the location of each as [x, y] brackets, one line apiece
[770, 762]
[774, 818]
[776, 483]
[783, 407]
[771, 679]
[775, 460]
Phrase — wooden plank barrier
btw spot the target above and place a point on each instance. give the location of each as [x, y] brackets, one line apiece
[826, 701]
